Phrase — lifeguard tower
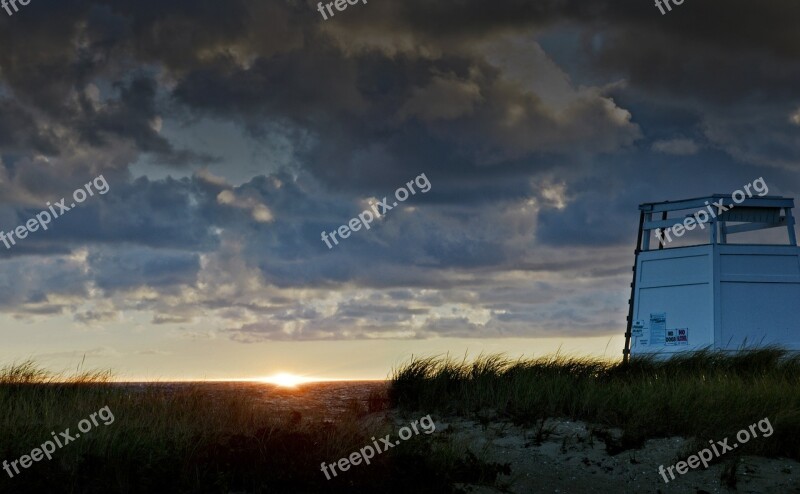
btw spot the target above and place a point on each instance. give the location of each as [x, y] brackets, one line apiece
[716, 292]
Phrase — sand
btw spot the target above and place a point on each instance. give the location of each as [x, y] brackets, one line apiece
[571, 460]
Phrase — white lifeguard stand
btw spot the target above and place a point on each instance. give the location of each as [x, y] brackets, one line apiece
[720, 295]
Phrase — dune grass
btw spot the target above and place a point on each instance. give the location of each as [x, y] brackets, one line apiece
[707, 394]
[189, 439]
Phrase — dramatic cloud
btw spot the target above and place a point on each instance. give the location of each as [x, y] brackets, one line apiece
[540, 125]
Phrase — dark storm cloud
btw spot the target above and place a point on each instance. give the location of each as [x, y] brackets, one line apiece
[723, 61]
[132, 116]
[167, 213]
[371, 133]
[19, 132]
[136, 268]
[732, 24]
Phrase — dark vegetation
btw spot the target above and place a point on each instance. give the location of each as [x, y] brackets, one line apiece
[705, 395]
[185, 439]
[188, 440]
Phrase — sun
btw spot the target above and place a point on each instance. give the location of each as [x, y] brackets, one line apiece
[285, 380]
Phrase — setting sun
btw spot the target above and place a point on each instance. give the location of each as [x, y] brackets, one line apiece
[286, 380]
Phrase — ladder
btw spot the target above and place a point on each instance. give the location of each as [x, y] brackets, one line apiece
[626, 352]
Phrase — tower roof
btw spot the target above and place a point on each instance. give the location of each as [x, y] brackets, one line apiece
[702, 202]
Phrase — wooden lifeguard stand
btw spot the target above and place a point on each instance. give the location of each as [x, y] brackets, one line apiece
[719, 294]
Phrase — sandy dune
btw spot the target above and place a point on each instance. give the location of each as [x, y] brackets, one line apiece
[570, 459]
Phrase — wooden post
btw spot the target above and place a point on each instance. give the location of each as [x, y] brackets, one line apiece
[790, 226]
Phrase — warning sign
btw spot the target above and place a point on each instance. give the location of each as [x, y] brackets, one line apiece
[638, 328]
[658, 326]
[657, 333]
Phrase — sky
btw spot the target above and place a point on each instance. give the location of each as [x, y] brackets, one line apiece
[232, 134]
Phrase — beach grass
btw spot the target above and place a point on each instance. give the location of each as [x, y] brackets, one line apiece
[186, 439]
[704, 395]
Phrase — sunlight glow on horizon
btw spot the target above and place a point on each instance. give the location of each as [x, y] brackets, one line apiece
[286, 380]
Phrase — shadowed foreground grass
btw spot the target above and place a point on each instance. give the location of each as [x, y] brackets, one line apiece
[186, 439]
[706, 395]
[183, 439]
